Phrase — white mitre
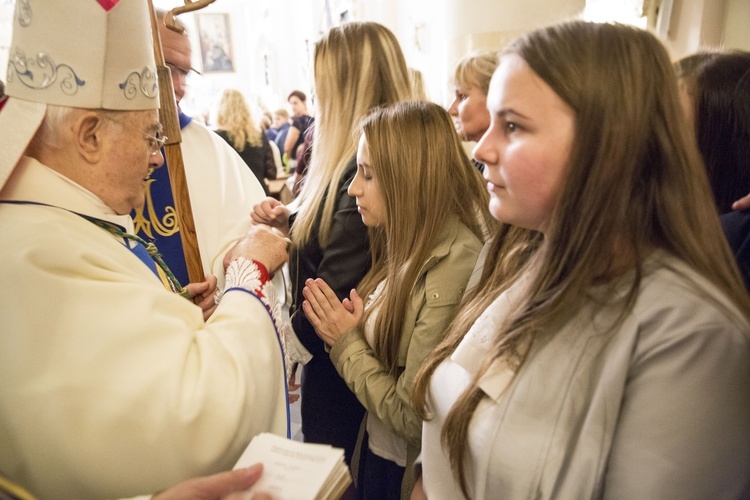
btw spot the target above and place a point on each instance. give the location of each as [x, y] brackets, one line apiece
[94, 54]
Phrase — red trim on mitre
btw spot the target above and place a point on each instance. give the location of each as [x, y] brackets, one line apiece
[108, 4]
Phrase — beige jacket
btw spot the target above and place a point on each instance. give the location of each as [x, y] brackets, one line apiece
[434, 299]
[657, 408]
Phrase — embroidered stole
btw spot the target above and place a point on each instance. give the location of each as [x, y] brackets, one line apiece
[156, 221]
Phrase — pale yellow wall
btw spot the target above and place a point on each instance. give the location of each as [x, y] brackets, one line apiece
[489, 24]
[435, 34]
[702, 24]
[737, 26]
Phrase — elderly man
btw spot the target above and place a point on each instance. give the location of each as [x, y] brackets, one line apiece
[111, 384]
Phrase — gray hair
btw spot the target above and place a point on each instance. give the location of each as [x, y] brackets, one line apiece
[55, 120]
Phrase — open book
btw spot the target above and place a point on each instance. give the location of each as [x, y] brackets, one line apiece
[296, 471]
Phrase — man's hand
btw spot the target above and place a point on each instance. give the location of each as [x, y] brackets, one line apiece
[271, 212]
[263, 244]
[202, 294]
[219, 485]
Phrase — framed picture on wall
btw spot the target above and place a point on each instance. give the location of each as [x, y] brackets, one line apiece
[215, 42]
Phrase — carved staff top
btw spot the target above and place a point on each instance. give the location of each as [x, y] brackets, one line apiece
[190, 6]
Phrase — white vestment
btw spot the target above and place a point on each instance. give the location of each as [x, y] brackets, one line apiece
[110, 385]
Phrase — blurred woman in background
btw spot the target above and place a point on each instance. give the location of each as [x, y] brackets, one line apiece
[236, 126]
[471, 80]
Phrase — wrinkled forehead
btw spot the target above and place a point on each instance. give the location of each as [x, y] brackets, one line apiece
[176, 47]
[146, 120]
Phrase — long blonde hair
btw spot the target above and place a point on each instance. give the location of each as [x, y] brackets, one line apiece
[357, 66]
[418, 90]
[235, 118]
[425, 178]
[635, 182]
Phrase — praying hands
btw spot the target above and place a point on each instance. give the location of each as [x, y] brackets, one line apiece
[329, 316]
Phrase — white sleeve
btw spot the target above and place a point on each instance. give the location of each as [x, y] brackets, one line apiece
[222, 193]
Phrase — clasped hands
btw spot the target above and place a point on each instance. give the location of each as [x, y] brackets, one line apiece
[271, 212]
[263, 244]
[327, 314]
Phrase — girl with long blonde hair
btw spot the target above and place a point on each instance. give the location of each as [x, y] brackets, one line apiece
[606, 351]
[357, 66]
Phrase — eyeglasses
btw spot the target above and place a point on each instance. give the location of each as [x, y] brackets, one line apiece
[180, 72]
[155, 142]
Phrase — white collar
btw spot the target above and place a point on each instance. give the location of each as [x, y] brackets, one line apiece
[476, 345]
[35, 182]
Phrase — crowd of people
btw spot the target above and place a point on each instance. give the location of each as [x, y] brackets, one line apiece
[555, 310]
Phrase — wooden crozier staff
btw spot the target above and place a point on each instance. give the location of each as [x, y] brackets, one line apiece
[171, 124]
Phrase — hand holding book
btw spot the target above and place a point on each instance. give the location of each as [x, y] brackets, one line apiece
[296, 471]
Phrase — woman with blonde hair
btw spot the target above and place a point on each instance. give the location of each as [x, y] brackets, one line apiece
[357, 66]
[471, 81]
[236, 126]
[606, 351]
[426, 209]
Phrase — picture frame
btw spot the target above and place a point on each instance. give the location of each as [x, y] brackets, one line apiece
[215, 39]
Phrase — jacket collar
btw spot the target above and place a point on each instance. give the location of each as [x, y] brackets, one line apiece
[445, 240]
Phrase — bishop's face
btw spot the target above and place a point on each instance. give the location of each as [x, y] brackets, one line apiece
[129, 153]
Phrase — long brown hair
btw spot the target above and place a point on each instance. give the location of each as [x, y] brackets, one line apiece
[635, 183]
[425, 178]
[357, 66]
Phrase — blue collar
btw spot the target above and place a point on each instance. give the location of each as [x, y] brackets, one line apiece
[184, 119]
